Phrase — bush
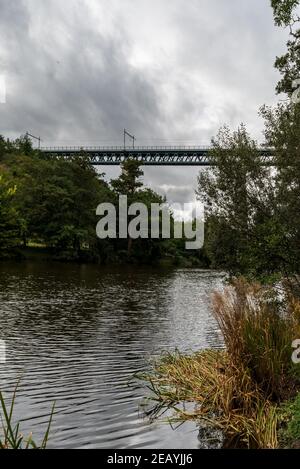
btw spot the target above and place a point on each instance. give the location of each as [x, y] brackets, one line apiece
[289, 418]
[238, 390]
[258, 331]
[225, 397]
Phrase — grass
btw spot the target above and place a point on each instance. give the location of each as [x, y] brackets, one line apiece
[258, 331]
[224, 396]
[289, 419]
[239, 389]
[12, 437]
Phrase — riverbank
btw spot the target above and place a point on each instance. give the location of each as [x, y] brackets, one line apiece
[250, 390]
[224, 398]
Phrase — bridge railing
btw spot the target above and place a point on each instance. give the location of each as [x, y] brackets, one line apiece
[136, 149]
[121, 148]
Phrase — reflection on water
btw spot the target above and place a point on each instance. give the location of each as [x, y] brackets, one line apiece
[77, 334]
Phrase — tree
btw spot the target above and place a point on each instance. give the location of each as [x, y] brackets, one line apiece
[253, 212]
[282, 132]
[284, 11]
[8, 216]
[56, 201]
[238, 195]
[287, 14]
[128, 183]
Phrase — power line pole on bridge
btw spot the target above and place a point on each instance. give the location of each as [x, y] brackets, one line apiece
[33, 136]
[130, 136]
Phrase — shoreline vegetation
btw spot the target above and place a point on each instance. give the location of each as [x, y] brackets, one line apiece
[11, 436]
[248, 391]
[48, 210]
[40, 253]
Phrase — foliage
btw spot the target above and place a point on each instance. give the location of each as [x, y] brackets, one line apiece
[240, 389]
[258, 333]
[224, 396]
[252, 211]
[128, 182]
[287, 13]
[282, 126]
[289, 421]
[8, 216]
[52, 202]
[242, 229]
[57, 202]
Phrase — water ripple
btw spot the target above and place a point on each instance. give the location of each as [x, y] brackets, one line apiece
[78, 334]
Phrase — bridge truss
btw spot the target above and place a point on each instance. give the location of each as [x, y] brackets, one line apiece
[148, 156]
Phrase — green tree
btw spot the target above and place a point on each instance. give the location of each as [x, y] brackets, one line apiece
[287, 14]
[238, 193]
[252, 211]
[8, 216]
[128, 183]
[282, 131]
[56, 201]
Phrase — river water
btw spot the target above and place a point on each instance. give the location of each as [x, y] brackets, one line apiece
[77, 335]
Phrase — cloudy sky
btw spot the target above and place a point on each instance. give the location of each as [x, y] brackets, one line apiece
[79, 71]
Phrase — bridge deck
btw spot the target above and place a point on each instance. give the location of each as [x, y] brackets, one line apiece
[149, 156]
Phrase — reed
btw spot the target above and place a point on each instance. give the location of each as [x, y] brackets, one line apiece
[258, 331]
[224, 396]
[11, 437]
[239, 389]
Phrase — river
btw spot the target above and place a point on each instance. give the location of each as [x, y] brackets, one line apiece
[77, 335]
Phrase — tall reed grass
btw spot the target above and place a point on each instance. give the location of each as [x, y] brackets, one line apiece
[258, 331]
[11, 437]
[238, 389]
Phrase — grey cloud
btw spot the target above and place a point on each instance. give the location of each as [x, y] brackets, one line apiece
[72, 80]
[64, 94]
